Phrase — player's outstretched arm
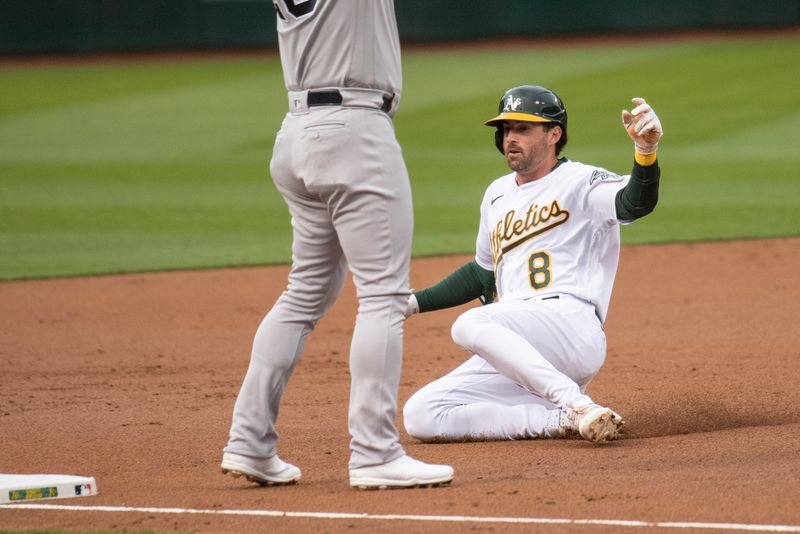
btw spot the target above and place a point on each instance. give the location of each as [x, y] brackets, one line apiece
[640, 196]
[468, 282]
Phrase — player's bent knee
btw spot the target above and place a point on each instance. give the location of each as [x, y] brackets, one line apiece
[460, 330]
[464, 328]
[418, 418]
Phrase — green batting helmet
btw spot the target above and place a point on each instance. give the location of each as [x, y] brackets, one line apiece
[530, 103]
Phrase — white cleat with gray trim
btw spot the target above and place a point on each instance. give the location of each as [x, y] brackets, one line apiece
[264, 471]
[403, 472]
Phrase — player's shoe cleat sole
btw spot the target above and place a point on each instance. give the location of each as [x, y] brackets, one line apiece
[373, 486]
[258, 480]
[600, 424]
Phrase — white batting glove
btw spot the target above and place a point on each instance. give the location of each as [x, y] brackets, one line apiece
[643, 126]
[412, 307]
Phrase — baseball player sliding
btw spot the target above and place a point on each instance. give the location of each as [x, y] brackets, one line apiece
[548, 243]
[339, 167]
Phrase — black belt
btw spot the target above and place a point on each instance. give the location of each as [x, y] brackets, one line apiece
[334, 98]
[324, 98]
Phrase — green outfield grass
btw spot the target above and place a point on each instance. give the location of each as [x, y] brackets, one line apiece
[109, 168]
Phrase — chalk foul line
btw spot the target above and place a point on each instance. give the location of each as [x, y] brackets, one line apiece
[401, 517]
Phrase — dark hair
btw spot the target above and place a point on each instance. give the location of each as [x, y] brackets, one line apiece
[561, 142]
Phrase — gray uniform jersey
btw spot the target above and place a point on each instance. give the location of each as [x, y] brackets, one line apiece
[339, 43]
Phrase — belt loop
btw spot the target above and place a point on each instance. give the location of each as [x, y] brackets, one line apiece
[298, 101]
[387, 103]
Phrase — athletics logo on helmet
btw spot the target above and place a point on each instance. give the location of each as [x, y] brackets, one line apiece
[530, 103]
[512, 103]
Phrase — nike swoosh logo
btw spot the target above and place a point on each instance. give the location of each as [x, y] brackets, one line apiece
[495, 198]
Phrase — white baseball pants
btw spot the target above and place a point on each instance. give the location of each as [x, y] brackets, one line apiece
[532, 358]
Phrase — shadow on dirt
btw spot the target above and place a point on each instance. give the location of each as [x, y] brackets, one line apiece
[695, 416]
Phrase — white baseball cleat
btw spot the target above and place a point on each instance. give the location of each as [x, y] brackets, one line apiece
[567, 428]
[265, 471]
[404, 472]
[595, 423]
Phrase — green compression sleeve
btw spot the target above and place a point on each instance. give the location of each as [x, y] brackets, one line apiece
[468, 282]
[640, 196]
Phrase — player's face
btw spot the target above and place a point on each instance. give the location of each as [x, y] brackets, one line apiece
[529, 148]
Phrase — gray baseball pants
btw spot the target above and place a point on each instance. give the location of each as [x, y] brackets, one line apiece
[342, 175]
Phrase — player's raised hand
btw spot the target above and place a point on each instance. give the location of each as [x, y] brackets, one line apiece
[643, 126]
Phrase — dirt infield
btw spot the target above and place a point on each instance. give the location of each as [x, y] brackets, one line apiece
[132, 379]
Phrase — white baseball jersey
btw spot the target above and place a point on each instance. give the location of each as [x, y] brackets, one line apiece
[339, 43]
[556, 235]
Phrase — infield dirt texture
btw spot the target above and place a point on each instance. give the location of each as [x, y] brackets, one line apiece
[132, 378]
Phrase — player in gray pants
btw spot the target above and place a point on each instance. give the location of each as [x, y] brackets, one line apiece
[339, 167]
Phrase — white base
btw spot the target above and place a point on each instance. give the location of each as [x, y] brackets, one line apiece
[21, 488]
